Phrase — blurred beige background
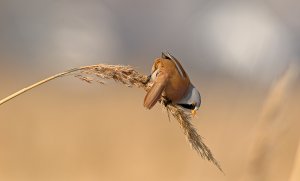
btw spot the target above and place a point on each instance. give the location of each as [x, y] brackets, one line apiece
[243, 57]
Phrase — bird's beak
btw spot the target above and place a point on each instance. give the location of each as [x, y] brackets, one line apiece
[194, 112]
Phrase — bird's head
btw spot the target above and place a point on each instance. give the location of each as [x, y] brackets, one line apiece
[192, 100]
[196, 101]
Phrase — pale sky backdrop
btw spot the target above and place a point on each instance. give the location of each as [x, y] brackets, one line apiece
[235, 52]
[246, 39]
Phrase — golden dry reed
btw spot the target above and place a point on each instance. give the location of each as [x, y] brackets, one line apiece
[271, 125]
[295, 174]
[130, 77]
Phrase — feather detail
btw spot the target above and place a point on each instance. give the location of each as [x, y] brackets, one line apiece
[177, 63]
[156, 90]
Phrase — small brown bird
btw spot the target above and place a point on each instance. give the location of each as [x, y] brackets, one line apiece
[171, 82]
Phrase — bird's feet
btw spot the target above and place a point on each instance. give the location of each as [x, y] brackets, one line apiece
[165, 101]
[147, 80]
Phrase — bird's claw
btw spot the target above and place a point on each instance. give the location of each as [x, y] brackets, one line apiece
[166, 101]
[147, 80]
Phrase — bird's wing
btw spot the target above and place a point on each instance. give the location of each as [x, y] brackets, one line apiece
[156, 90]
[176, 62]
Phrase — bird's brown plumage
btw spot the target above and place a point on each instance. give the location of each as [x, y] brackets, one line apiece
[171, 81]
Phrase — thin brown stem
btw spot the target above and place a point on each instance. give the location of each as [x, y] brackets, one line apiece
[14, 95]
[130, 77]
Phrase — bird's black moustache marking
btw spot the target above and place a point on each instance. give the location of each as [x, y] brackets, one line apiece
[187, 106]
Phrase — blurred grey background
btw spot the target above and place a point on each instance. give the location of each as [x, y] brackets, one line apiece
[249, 39]
[236, 52]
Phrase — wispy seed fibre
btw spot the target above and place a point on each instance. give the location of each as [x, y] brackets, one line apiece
[129, 77]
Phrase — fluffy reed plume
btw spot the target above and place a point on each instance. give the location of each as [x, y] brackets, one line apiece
[130, 77]
[271, 125]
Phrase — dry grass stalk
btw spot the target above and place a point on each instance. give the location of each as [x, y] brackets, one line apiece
[184, 120]
[130, 77]
[295, 174]
[271, 125]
